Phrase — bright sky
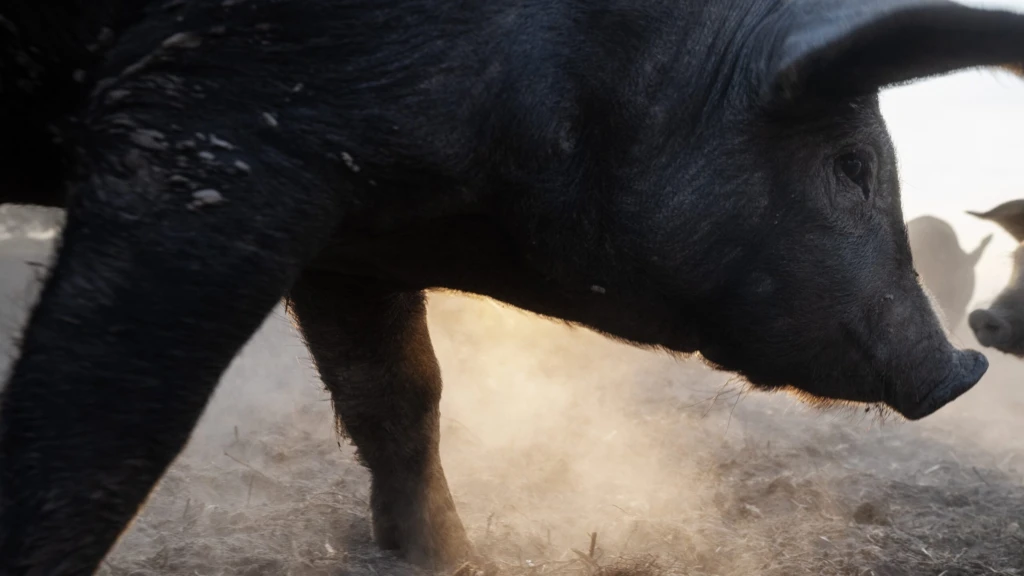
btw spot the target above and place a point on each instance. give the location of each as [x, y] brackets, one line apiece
[960, 141]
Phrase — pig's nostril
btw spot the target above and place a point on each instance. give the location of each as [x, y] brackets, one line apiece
[990, 329]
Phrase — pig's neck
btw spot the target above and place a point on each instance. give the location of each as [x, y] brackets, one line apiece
[539, 102]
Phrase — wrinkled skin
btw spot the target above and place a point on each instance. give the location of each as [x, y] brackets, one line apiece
[697, 176]
[944, 268]
[1001, 325]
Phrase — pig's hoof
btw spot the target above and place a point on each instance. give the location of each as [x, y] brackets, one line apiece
[427, 538]
[439, 553]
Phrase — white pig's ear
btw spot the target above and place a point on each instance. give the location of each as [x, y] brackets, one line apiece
[1009, 216]
[837, 49]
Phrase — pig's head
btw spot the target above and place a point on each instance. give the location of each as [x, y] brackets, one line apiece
[773, 241]
[825, 299]
[1001, 325]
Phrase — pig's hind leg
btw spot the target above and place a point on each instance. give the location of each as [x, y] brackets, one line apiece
[170, 260]
[373, 351]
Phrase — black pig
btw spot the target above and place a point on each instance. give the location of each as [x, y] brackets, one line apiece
[707, 176]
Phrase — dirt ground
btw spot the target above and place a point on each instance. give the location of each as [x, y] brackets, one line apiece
[552, 435]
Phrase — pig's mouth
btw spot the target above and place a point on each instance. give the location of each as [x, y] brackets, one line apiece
[969, 367]
[940, 377]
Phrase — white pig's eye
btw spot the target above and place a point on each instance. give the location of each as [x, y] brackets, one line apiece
[856, 167]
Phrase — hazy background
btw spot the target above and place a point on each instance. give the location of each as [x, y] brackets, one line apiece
[960, 141]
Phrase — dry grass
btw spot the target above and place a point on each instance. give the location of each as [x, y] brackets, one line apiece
[786, 493]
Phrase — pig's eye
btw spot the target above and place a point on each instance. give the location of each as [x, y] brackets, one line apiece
[856, 167]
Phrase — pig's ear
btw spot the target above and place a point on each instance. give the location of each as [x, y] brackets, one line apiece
[835, 49]
[975, 256]
[1010, 216]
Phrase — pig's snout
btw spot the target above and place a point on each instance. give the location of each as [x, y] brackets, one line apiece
[991, 330]
[963, 369]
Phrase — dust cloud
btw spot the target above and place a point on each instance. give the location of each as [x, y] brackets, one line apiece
[554, 436]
